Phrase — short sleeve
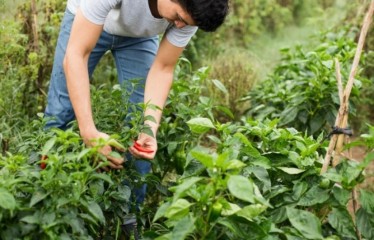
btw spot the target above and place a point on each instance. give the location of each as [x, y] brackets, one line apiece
[180, 37]
[97, 10]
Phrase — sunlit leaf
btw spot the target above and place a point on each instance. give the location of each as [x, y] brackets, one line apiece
[241, 188]
[292, 171]
[200, 125]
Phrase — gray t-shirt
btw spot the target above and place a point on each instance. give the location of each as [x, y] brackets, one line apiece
[131, 18]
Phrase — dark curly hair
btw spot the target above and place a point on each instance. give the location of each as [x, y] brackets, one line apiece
[207, 14]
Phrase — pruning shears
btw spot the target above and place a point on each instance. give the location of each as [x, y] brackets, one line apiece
[139, 147]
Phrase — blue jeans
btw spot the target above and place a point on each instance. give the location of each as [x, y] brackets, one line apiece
[133, 59]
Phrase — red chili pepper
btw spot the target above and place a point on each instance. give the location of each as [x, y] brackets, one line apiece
[43, 163]
[138, 147]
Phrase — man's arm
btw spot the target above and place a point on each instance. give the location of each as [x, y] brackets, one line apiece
[157, 87]
[83, 37]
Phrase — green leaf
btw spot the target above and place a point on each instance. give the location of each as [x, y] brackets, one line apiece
[311, 149]
[48, 218]
[341, 195]
[233, 227]
[333, 175]
[84, 153]
[230, 209]
[183, 227]
[292, 171]
[234, 164]
[164, 237]
[31, 219]
[262, 175]
[76, 224]
[341, 221]
[161, 211]
[37, 197]
[365, 223]
[48, 145]
[114, 143]
[328, 64]
[95, 210]
[350, 171]
[226, 111]
[251, 211]
[220, 86]
[115, 154]
[183, 187]
[314, 196]
[178, 209]
[241, 188]
[298, 190]
[278, 215]
[222, 159]
[7, 200]
[368, 159]
[288, 115]
[305, 222]
[367, 201]
[102, 176]
[206, 159]
[200, 125]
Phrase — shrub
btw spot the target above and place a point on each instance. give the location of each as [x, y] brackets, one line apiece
[232, 76]
[262, 182]
[302, 91]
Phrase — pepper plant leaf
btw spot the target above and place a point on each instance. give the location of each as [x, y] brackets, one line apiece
[305, 222]
[200, 125]
[341, 220]
[7, 200]
[241, 188]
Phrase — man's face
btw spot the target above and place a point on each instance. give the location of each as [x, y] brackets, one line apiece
[174, 13]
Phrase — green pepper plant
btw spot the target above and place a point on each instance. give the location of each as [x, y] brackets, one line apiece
[261, 182]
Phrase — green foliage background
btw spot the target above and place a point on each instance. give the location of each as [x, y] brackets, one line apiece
[236, 157]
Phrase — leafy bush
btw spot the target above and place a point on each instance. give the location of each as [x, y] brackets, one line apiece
[262, 182]
[69, 199]
[96, 203]
[302, 91]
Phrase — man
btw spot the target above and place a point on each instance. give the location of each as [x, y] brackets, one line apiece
[130, 30]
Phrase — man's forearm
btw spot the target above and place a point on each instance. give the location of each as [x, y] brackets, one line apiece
[79, 92]
[157, 88]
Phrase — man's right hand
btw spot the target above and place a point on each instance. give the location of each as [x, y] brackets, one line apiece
[91, 140]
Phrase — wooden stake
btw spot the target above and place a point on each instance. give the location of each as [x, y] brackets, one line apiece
[342, 118]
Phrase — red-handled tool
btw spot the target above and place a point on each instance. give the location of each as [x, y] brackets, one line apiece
[138, 147]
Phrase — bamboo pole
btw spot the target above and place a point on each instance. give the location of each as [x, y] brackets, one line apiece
[348, 88]
[334, 137]
[342, 118]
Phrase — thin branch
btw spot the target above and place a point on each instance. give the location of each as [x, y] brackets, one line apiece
[339, 79]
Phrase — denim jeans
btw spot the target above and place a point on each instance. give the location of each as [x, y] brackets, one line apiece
[133, 59]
